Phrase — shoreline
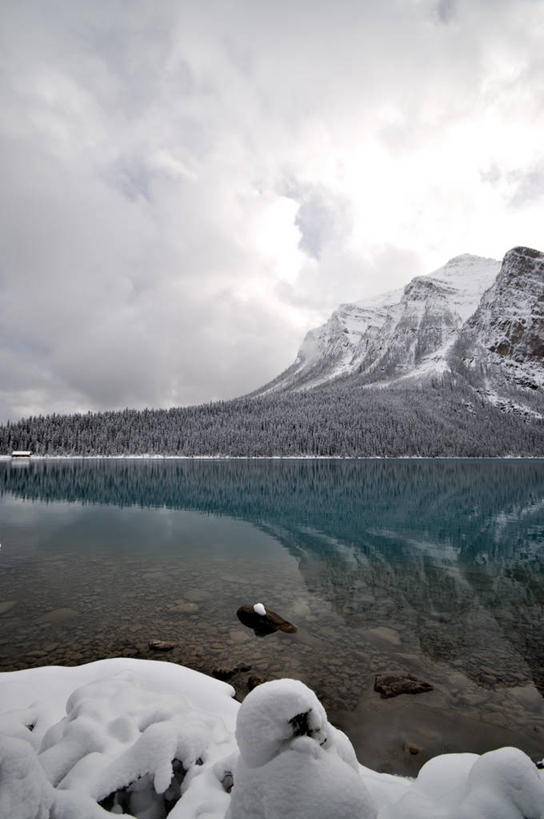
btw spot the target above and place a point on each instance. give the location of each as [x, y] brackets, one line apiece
[31, 458]
[397, 735]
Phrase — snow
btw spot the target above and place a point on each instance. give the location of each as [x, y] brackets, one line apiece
[258, 608]
[361, 337]
[115, 724]
[468, 277]
[293, 763]
[151, 739]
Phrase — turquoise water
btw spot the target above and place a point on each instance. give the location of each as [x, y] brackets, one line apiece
[434, 568]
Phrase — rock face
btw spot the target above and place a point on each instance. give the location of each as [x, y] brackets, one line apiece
[504, 339]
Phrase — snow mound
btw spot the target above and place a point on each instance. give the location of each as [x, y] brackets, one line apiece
[153, 739]
[502, 784]
[293, 763]
[128, 743]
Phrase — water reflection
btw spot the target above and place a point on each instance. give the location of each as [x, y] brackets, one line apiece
[451, 548]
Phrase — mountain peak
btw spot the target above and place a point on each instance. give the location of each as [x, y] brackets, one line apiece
[525, 252]
[395, 334]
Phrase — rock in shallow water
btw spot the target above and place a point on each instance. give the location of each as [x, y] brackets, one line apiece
[391, 685]
[59, 615]
[161, 645]
[263, 624]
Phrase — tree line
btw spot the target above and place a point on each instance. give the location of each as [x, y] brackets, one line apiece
[344, 420]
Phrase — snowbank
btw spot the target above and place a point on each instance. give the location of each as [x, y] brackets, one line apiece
[152, 739]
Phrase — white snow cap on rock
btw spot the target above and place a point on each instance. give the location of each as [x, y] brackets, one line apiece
[502, 784]
[293, 763]
[258, 608]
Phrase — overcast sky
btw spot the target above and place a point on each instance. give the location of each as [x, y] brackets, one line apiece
[189, 186]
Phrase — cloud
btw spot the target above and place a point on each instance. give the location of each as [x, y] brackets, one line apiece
[445, 10]
[187, 188]
[322, 217]
[529, 186]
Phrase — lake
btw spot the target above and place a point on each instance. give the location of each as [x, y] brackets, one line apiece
[432, 568]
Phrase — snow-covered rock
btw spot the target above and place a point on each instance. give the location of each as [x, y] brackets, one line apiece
[293, 763]
[502, 784]
[134, 736]
[153, 739]
[25, 792]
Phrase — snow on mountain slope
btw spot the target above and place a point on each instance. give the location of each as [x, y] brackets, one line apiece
[401, 333]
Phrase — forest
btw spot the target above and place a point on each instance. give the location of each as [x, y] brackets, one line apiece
[343, 420]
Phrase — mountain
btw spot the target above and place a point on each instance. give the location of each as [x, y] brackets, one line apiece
[474, 319]
[500, 349]
[452, 365]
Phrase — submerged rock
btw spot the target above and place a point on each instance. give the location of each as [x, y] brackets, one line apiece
[391, 685]
[227, 674]
[59, 615]
[263, 621]
[161, 645]
[253, 681]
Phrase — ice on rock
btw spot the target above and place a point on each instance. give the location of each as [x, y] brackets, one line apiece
[292, 762]
[258, 608]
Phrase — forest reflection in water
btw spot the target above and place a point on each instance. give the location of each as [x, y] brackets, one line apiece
[434, 568]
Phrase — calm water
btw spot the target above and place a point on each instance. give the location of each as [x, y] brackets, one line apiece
[434, 568]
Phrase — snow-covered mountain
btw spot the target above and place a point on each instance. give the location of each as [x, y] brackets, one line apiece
[504, 340]
[473, 317]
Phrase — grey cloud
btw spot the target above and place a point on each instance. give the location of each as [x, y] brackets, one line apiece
[322, 218]
[317, 287]
[445, 10]
[140, 142]
[528, 186]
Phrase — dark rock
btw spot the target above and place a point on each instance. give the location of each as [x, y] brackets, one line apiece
[130, 651]
[391, 685]
[412, 748]
[254, 681]
[227, 674]
[227, 781]
[263, 624]
[161, 645]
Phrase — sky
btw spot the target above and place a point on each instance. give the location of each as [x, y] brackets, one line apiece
[188, 187]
